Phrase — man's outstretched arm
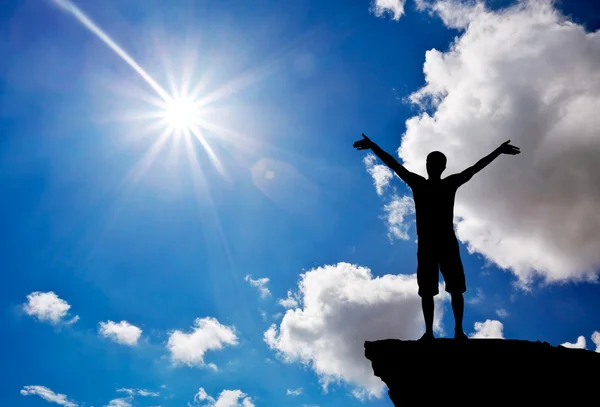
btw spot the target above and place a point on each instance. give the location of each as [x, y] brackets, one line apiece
[505, 148]
[406, 175]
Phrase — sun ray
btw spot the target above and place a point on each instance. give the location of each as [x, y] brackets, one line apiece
[211, 154]
[142, 166]
[90, 25]
[211, 216]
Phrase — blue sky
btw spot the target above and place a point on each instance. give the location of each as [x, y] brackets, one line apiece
[144, 270]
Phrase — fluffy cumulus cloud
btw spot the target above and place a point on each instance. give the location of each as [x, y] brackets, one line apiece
[122, 332]
[47, 395]
[227, 398]
[527, 74]
[392, 8]
[294, 392]
[580, 344]
[490, 329]
[596, 340]
[260, 284]
[207, 334]
[339, 308]
[48, 307]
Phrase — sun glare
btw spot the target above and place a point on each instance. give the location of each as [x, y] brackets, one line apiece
[181, 114]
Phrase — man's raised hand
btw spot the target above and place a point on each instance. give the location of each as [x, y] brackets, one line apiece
[363, 144]
[506, 148]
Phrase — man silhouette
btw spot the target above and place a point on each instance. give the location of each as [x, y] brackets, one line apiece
[437, 244]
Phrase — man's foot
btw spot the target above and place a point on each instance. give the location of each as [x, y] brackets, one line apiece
[427, 336]
[460, 335]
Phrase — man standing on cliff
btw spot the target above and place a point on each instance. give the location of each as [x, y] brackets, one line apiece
[437, 244]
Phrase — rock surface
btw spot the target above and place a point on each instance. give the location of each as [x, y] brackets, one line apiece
[484, 372]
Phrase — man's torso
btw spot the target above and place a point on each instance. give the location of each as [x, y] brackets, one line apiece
[434, 207]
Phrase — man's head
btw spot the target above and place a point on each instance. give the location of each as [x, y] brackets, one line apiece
[436, 164]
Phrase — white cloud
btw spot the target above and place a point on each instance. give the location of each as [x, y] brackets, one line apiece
[120, 402]
[290, 301]
[526, 74]
[146, 393]
[394, 8]
[596, 340]
[490, 329]
[48, 307]
[344, 306]
[47, 395]
[131, 392]
[454, 13]
[478, 298]
[202, 395]
[122, 332]
[227, 398]
[139, 392]
[295, 392]
[502, 313]
[398, 208]
[396, 212]
[207, 334]
[380, 173]
[580, 344]
[261, 284]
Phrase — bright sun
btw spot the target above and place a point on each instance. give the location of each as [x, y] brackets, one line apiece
[181, 114]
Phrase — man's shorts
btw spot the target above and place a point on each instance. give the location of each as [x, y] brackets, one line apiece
[439, 253]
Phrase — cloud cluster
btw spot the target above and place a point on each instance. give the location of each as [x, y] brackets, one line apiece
[48, 307]
[207, 334]
[227, 398]
[527, 74]
[340, 307]
[47, 395]
[490, 329]
[122, 332]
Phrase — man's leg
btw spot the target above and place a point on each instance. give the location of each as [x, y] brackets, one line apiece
[428, 280]
[454, 275]
[428, 307]
[458, 308]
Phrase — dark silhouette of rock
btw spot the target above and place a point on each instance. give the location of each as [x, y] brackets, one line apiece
[484, 372]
